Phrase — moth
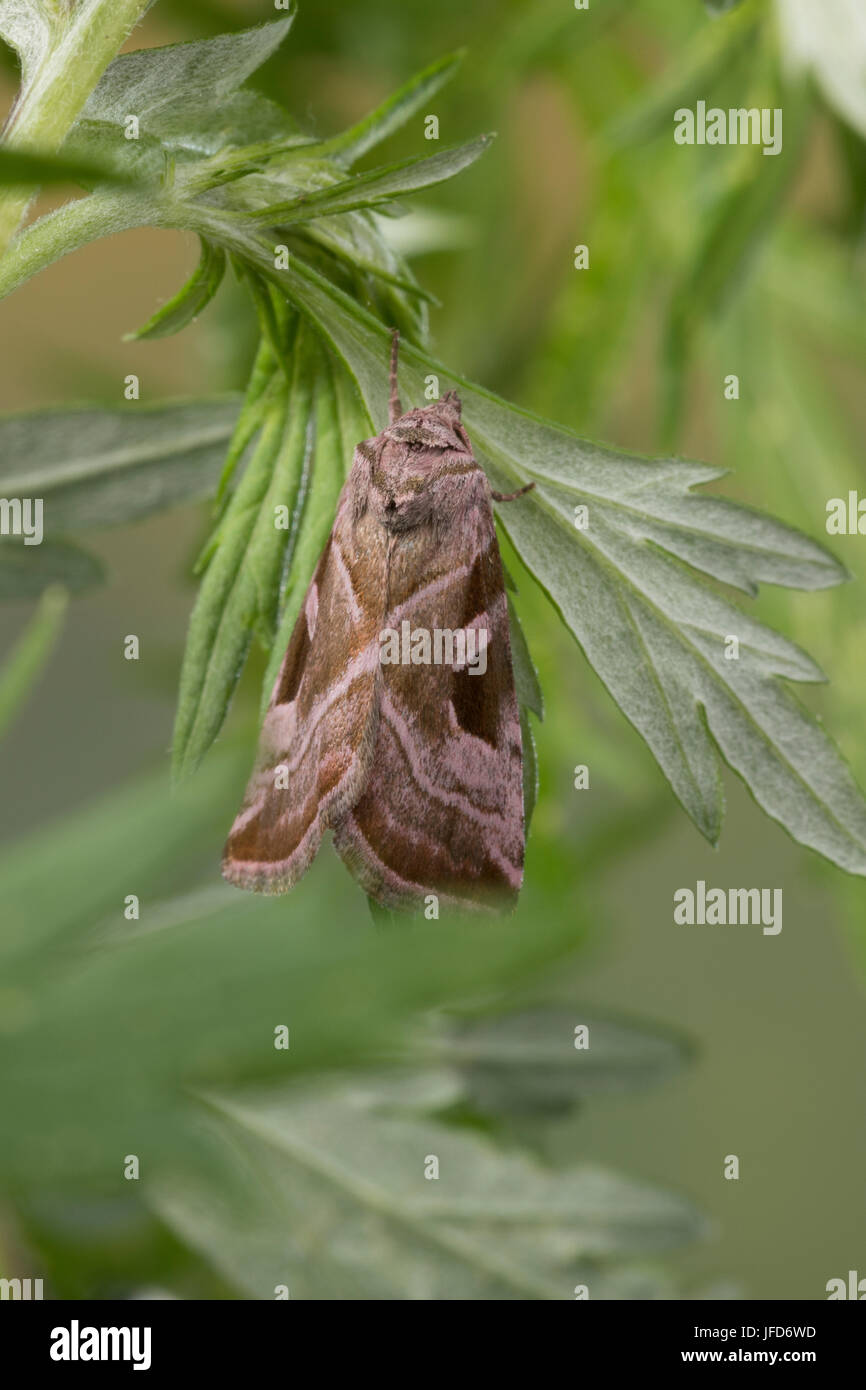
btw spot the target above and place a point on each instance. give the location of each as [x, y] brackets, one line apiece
[394, 721]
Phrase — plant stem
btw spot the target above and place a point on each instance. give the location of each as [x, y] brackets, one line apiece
[54, 99]
[107, 212]
[82, 221]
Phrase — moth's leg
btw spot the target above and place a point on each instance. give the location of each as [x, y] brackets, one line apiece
[395, 409]
[511, 496]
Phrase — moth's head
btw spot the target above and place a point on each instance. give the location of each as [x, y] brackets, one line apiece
[433, 426]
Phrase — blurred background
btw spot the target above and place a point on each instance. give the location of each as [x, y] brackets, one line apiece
[703, 262]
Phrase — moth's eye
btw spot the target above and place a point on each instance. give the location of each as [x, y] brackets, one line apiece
[391, 505]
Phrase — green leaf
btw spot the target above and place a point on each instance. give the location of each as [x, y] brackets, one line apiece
[736, 228]
[527, 1062]
[530, 769]
[336, 418]
[275, 322]
[356, 239]
[168, 88]
[376, 185]
[97, 467]
[261, 385]
[188, 303]
[64, 50]
[26, 571]
[628, 590]
[240, 590]
[658, 638]
[393, 113]
[26, 166]
[246, 117]
[28, 26]
[187, 103]
[529, 697]
[28, 658]
[347, 249]
[526, 681]
[222, 621]
[325, 1191]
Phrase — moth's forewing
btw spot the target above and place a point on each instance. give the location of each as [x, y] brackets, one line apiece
[417, 767]
[442, 809]
[318, 734]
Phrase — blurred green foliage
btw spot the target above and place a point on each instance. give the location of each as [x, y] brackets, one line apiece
[120, 1037]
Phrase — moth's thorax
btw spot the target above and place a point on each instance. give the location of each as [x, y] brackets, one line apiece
[415, 457]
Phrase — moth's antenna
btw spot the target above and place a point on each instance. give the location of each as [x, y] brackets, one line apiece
[395, 409]
[511, 496]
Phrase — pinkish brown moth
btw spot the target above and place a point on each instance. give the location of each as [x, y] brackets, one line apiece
[414, 759]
